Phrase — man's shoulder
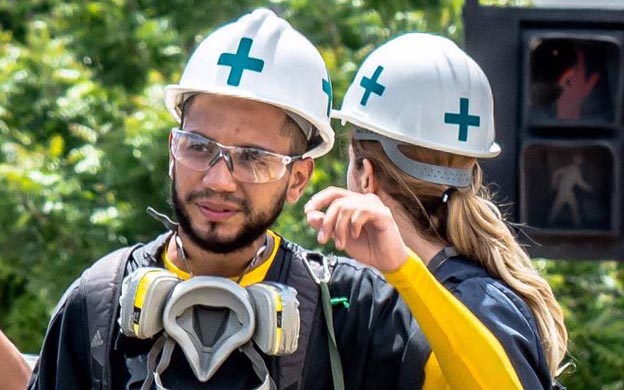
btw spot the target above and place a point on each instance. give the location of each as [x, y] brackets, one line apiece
[150, 252]
[94, 276]
[350, 266]
[341, 267]
[105, 269]
[361, 280]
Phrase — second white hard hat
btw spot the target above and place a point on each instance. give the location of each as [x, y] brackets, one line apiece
[422, 89]
[262, 57]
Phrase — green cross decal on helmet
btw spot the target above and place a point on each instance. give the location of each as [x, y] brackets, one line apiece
[326, 86]
[371, 85]
[424, 76]
[463, 119]
[261, 57]
[240, 61]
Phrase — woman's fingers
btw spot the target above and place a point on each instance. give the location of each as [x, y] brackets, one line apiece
[315, 219]
[346, 214]
[330, 220]
[324, 198]
[360, 224]
[358, 219]
[343, 227]
[334, 223]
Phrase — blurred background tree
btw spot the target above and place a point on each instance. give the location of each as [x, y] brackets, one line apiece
[83, 132]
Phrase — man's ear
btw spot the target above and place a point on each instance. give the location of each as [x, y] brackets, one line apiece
[300, 174]
[368, 182]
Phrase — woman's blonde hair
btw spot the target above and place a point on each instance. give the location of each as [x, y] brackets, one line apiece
[473, 224]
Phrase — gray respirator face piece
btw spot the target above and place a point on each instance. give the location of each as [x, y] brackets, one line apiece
[209, 318]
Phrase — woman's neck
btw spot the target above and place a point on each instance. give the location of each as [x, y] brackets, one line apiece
[425, 249]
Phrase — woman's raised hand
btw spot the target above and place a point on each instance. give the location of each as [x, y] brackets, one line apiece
[360, 224]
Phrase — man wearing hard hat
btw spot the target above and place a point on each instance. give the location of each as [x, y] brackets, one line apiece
[220, 301]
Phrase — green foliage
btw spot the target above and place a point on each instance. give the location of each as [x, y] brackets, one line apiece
[83, 132]
[592, 295]
[507, 3]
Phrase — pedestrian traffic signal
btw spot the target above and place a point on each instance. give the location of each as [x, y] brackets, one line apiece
[558, 88]
[572, 77]
[569, 187]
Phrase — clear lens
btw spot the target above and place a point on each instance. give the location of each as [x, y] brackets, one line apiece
[247, 164]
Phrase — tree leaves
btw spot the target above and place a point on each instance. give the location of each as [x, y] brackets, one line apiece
[83, 134]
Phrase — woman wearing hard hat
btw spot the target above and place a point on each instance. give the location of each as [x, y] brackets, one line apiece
[416, 209]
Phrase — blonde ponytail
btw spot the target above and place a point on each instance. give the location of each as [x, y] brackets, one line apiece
[473, 224]
[478, 231]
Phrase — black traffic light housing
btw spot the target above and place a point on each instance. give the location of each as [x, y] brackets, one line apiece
[558, 83]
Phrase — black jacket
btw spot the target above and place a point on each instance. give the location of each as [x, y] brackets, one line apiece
[381, 345]
[505, 315]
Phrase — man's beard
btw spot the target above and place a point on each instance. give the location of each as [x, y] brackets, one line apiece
[253, 227]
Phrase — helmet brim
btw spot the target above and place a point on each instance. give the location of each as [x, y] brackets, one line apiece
[345, 118]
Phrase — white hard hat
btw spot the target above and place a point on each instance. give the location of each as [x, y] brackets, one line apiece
[422, 89]
[262, 57]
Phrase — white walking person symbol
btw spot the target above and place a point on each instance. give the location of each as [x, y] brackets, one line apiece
[564, 180]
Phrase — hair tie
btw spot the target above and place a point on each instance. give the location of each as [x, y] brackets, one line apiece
[447, 194]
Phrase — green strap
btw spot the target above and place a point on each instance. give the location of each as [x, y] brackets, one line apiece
[334, 356]
[340, 300]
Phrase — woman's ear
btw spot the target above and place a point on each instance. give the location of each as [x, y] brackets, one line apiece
[368, 182]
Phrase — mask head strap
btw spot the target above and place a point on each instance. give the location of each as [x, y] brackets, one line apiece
[168, 222]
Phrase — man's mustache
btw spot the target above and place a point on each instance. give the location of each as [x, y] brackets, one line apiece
[216, 196]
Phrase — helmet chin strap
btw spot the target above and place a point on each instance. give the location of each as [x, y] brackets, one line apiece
[454, 177]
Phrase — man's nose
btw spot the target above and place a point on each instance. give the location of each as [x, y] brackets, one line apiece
[219, 176]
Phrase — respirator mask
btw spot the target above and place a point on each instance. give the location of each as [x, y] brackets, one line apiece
[209, 318]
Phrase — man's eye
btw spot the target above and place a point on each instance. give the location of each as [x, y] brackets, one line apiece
[250, 155]
[197, 146]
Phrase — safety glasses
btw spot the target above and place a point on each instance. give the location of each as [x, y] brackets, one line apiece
[249, 165]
